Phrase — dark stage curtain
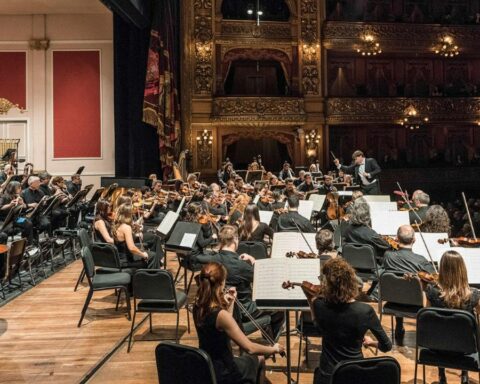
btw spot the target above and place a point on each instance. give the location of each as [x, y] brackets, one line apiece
[136, 143]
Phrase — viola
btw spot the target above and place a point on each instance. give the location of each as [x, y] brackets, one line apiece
[301, 255]
[334, 211]
[311, 290]
[466, 242]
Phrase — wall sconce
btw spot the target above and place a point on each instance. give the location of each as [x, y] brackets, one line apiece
[368, 46]
[204, 147]
[203, 51]
[413, 120]
[39, 44]
[312, 139]
[310, 52]
[447, 47]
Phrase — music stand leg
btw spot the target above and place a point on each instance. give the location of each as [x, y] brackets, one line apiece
[289, 362]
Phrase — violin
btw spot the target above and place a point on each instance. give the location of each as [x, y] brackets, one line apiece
[466, 242]
[311, 290]
[301, 255]
[429, 278]
[334, 211]
[207, 218]
[394, 244]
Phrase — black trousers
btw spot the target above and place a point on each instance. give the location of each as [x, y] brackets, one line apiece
[371, 189]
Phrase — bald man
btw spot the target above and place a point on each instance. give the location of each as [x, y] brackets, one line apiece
[402, 261]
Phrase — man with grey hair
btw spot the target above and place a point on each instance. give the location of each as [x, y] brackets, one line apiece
[402, 261]
[32, 196]
[420, 200]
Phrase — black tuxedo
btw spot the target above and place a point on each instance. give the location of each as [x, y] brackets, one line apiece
[373, 169]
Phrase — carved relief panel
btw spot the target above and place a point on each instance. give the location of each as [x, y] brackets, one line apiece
[203, 41]
[310, 46]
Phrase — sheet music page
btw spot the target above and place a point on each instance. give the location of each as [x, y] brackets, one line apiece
[318, 201]
[431, 239]
[265, 216]
[269, 274]
[344, 193]
[471, 256]
[255, 200]
[167, 223]
[379, 198]
[284, 242]
[187, 240]
[387, 223]
[305, 208]
[383, 206]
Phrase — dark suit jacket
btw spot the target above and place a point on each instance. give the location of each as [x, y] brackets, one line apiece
[286, 223]
[405, 261]
[421, 212]
[361, 234]
[371, 167]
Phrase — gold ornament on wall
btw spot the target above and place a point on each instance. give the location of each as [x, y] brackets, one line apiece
[204, 147]
[6, 105]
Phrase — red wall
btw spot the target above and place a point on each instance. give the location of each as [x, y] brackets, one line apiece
[76, 104]
[13, 77]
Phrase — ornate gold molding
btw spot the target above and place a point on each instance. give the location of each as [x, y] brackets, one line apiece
[309, 35]
[387, 110]
[255, 111]
[339, 35]
[7, 105]
[204, 47]
[245, 29]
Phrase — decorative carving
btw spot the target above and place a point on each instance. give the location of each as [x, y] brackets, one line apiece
[345, 110]
[309, 6]
[203, 39]
[309, 32]
[244, 29]
[310, 80]
[398, 36]
[6, 105]
[254, 108]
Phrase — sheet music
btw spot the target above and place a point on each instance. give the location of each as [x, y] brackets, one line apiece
[266, 216]
[387, 223]
[383, 206]
[187, 240]
[269, 274]
[318, 201]
[284, 242]
[255, 200]
[377, 198]
[471, 256]
[431, 239]
[305, 208]
[344, 193]
[167, 223]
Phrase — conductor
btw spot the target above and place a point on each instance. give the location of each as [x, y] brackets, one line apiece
[365, 171]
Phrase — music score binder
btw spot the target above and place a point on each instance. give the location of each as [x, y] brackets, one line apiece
[183, 237]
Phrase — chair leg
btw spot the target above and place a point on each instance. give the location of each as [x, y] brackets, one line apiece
[176, 275]
[118, 299]
[80, 279]
[188, 319]
[416, 367]
[190, 283]
[127, 297]
[423, 367]
[150, 318]
[393, 332]
[3, 291]
[30, 272]
[299, 354]
[176, 329]
[131, 330]
[85, 306]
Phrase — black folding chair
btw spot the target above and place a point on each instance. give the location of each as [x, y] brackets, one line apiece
[257, 249]
[183, 364]
[306, 328]
[447, 338]
[378, 370]
[404, 298]
[100, 282]
[155, 290]
[85, 241]
[14, 261]
[363, 259]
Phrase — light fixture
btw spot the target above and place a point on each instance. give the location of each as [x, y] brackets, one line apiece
[369, 46]
[412, 119]
[447, 47]
[205, 138]
[257, 11]
[312, 137]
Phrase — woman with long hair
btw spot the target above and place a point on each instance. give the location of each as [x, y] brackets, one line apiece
[216, 327]
[252, 229]
[123, 235]
[342, 320]
[11, 199]
[103, 222]
[453, 291]
[436, 220]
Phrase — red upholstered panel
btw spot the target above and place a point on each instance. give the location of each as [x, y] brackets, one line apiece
[76, 104]
[13, 77]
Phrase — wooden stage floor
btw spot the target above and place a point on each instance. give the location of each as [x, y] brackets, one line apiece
[40, 342]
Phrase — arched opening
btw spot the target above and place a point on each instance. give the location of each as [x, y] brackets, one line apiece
[273, 10]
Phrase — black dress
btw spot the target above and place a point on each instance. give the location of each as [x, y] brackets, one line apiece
[343, 327]
[259, 233]
[228, 368]
[436, 300]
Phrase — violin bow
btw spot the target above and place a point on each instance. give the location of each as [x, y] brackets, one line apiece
[428, 251]
[303, 236]
[410, 205]
[468, 215]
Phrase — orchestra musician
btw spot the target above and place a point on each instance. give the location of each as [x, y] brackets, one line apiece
[226, 174]
[286, 172]
[307, 185]
[9, 200]
[102, 224]
[60, 212]
[325, 244]
[288, 222]
[8, 170]
[420, 200]
[252, 229]
[32, 196]
[342, 321]
[216, 328]
[436, 220]
[289, 189]
[327, 185]
[365, 171]
[45, 178]
[74, 185]
[300, 179]
[315, 167]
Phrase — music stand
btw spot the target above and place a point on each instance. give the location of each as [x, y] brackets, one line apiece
[254, 176]
[96, 196]
[11, 217]
[80, 170]
[78, 196]
[110, 190]
[52, 202]
[316, 175]
[8, 154]
[242, 173]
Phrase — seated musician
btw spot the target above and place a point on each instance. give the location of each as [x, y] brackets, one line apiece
[226, 174]
[453, 291]
[74, 185]
[359, 230]
[273, 181]
[103, 222]
[45, 178]
[420, 200]
[436, 220]
[252, 229]
[60, 212]
[240, 275]
[239, 183]
[214, 204]
[8, 170]
[300, 179]
[235, 215]
[216, 328]
[342, 321]
[403, 261]
[205, 236]
[230, 187]
[289, 221]
[32, 196]
[11, 199]
[123, 235]
[307, 184]
[286, 172]
[289, 189]
[325, 244]
[327, 186]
